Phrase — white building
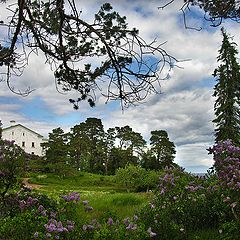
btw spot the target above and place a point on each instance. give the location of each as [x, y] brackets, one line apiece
[24, 137]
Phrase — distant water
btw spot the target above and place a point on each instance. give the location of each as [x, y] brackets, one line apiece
[199, 174]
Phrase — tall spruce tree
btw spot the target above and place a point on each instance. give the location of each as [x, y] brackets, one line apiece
[227, 92]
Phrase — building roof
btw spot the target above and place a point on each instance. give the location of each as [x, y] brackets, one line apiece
[20, 125]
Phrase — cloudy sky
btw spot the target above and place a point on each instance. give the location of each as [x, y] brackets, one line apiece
[184, 109]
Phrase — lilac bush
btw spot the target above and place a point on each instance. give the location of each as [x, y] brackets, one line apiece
[11, 165]
[227, 166]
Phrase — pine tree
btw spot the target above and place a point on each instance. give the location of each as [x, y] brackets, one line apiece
[227, 92]
[162, 149]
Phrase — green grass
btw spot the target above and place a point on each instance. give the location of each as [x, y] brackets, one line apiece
[106, 196]
[80, 182]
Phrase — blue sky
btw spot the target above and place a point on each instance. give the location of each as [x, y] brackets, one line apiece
[184, 110]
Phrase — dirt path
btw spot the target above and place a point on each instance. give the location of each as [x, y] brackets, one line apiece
[30, 185]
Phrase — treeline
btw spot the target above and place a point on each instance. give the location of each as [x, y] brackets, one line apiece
[88, 147]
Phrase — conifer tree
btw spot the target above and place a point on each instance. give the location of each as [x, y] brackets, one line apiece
[227, 92]
[162, 149]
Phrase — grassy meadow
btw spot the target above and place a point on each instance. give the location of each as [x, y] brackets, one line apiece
[105, 195]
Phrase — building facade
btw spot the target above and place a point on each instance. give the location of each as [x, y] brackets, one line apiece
[24, 137]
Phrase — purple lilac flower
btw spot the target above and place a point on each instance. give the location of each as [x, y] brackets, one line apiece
[70, 227]
[36, 235]
[53, 215]
[131, 226]
[126, 221]
[22, 204]
[50, 227]
[72, 197]
[85, 202]
[44, 213]
[110, 221]
[40, 208]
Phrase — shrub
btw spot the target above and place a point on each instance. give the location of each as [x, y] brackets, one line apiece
[227, 166]
[137, 178]
[11, 165]
[184, 203]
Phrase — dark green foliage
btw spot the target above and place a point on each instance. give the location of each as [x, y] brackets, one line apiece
[227, 93]
[87, 146]
[185, 204]
[137, 178]
[56, 152]
[162, 151]
[217, 10]
[12, 160]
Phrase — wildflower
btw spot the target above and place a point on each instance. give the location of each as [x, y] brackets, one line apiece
[29, 201]
[152, 205]
[50, 227]
[151, 233]
[220, 231]
[40, 208]
[181, 229]
[85, 202]
[131, 227]
[70, 227]
[110, 222]
[90, 227]
[59, 227]
[22, 204]
[126, 221]
[44, 213]
[135, 217]
[53, 215]
[88, 208]
[94, 221]
[56, 237]
[84, 227]
[36, 235]
[233, 205]
[48, 235]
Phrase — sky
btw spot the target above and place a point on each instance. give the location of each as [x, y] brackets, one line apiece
[184, 108]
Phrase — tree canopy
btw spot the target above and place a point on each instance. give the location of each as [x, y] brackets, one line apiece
[88, 147]
[215, 11]
[82, 53]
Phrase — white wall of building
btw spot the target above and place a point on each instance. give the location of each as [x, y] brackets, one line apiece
[27, 139]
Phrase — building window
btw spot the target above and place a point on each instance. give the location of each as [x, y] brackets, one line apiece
[33, 144]
[23, 144]
[32, 153]
[12, 133]
[23, 134]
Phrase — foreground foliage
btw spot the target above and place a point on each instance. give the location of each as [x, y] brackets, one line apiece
[183, 207]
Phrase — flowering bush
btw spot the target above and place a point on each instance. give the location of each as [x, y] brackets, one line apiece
[11, 165]
[227, 165]
[183, 204]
